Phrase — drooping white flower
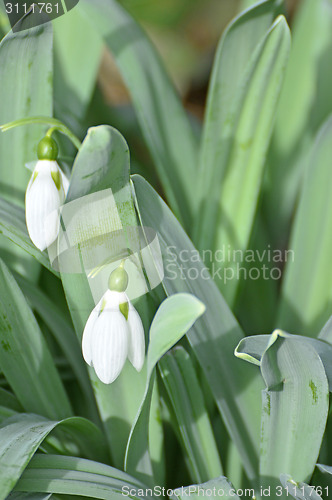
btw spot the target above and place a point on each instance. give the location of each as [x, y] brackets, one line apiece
[46, 192]
[113, 332]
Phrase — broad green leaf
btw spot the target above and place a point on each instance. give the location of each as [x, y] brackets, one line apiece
[306, 300]
[165, 126]
[215, 336]
[221, 485]
[247, 4]
[76, 67]
[6, 413]
[26, 84]
[24, 356]
[242, 103]
[13, 227]
[295, 404]
[174, 318]
[181, 382]
[8, 400]
[21, 435]
[75, 476]
[253, 348]
[16, 495]
[259, 284]
[306, 92]
[98, 206]
[299, 491]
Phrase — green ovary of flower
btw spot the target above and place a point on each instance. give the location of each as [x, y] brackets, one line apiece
[47, 149]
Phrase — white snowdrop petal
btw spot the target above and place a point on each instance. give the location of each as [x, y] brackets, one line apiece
[41, 200]
[114, 299]
[110, 345]
[136, 345]
[88, 337]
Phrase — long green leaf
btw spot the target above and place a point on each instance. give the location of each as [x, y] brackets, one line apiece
[241, 108]
[306, 300]
[24, 355]
[75, 476]
[26, 85]
[98, 208]
[295, 404]
[8, 400]
[29, 496]
[306, 91]
[171, 141]
[299, 491]
[253, 348]
[73, 81]
[215, 336]
[180, 379]
[20, 437]
[174, 318]
[220, 485]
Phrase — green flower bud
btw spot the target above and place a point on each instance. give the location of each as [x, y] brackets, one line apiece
[47, 149]
[118, 280]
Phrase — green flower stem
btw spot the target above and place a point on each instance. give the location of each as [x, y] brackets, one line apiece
[55, 124]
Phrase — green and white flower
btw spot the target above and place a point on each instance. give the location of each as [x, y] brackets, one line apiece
[46, 192]
[113, 333]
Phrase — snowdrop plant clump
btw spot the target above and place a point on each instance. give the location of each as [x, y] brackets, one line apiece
[226, 386]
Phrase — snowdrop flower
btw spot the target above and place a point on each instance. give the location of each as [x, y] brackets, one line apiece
[45, 194]
[114, 332]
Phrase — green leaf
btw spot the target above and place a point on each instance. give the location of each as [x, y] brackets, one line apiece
[252, 349]
[76, 67]
[295, 404]
[174, 318]
[98, 212]
[75, 476]
[215, 336]
[24, 355]
[242, 102]
[16, 495]
[20, 437]
[192, 420]
[306, 91]
[26, 84]
[8, 400]
[326, 331]
[171, 142]
[299, 491]
[221, 485]
[306, 300]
